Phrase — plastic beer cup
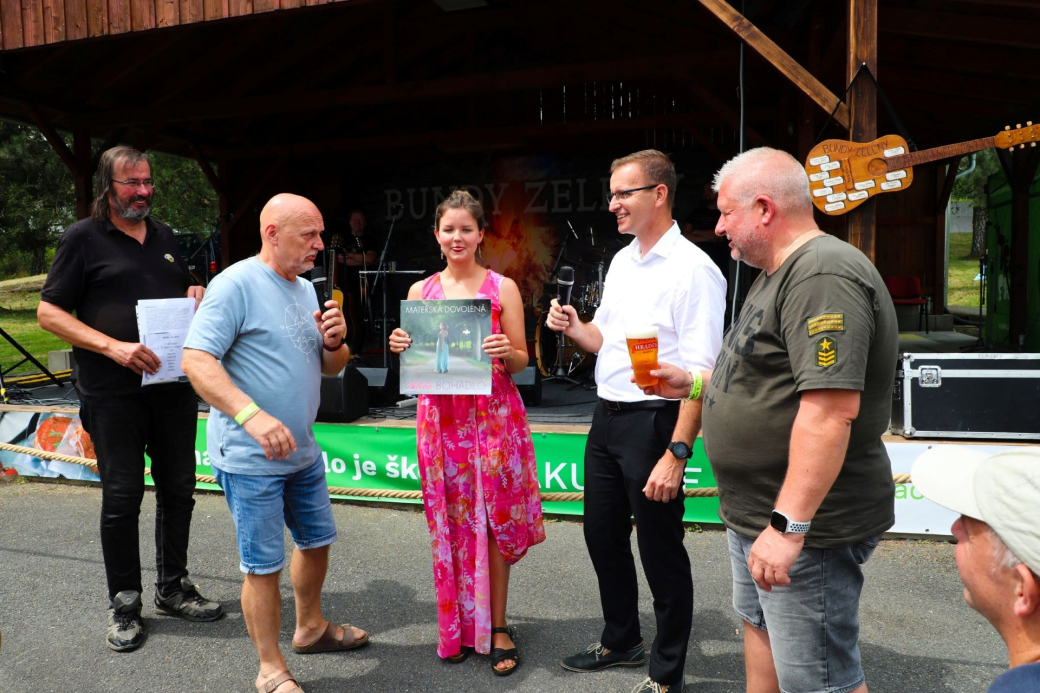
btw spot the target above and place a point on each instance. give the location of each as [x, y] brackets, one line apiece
[642, 349]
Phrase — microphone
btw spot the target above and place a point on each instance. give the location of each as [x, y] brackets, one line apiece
[572, 231]
[321, 286]
[564, 284]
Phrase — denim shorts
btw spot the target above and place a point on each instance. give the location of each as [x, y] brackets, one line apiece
[262, 505]
[813, 623]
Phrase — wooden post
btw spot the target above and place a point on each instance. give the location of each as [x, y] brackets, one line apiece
[861, 223]
[83, 174]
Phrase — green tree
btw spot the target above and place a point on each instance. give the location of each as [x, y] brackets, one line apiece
[37, 199]
[973, 187]
[184, 198]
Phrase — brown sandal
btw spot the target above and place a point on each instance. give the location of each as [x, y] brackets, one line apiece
[464, 652]
[271, 684]
[328, 642]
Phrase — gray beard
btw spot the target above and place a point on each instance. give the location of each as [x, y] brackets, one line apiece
[129, 213]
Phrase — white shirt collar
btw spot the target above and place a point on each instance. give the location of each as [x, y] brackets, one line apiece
[662, 248]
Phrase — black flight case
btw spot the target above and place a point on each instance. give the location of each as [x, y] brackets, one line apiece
[967, 396]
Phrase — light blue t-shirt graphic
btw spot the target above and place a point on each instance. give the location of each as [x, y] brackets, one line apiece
[261, 328]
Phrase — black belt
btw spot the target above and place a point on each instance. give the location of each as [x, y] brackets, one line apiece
[641, 404]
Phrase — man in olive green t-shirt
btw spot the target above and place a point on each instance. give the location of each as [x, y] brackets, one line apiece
[793, 417]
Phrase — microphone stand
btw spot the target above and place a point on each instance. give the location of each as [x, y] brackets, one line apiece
[379, 268]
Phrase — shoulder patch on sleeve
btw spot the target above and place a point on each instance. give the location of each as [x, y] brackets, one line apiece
[828, 322]
[826, 352]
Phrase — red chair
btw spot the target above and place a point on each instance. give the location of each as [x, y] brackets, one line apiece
[906, 291]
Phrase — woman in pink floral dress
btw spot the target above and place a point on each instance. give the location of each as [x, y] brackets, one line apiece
[476, 456]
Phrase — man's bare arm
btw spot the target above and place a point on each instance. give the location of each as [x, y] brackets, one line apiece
[819, 441]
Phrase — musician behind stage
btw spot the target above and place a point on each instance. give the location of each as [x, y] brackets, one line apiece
[355, 250]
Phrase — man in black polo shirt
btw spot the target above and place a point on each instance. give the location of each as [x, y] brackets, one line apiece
[102, 266]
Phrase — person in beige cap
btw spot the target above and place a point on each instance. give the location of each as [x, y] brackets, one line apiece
[998, 544]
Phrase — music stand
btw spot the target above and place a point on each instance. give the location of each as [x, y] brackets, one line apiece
[27, 357]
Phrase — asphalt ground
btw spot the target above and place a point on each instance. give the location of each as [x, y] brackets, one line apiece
[917, 632]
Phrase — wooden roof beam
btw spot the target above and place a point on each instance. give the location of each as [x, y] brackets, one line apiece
[53, 138]
[518, 80]
[960, 27]
[779, 59]
[511, 134]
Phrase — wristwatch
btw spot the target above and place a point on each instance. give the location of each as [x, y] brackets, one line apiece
[680, 449]
[783, 524]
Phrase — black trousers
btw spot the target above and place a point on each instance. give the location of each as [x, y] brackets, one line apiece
[123, 428]
[622, 449]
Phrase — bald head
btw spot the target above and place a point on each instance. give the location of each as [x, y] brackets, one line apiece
[770, 172]
[290, 233]
[286, 210]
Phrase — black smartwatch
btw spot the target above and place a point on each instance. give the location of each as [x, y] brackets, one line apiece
[783, 524]
[680, 449]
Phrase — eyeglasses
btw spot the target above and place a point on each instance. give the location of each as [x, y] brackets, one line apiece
[623, 195]
[136, 182]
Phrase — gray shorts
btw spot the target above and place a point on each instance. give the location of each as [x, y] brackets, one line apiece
[813, 623]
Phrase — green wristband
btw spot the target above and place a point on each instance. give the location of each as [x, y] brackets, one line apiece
[248, 412]
[696, 383]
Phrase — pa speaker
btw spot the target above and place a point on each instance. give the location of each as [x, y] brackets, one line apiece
[382, 385]
[529, 382]
[344, 397]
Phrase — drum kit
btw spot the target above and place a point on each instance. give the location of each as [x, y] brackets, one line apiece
[557, 356]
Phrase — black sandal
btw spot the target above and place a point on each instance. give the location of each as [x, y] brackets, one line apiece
[499, 654]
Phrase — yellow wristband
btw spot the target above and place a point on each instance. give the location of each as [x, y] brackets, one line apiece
[696, 383]
[248, 412]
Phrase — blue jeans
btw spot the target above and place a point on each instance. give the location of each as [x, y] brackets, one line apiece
[262, 506]
[813, 623]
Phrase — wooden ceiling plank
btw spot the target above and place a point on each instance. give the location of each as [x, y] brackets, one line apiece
[97, 18]
[214, 9]
[633, 68]
[239, 8]
[32, 24]
[53, 20]
[779, 59]
[192, 11]
[75, 19]
[142, 14]
[11, 18]
[167, 13]
[118, 16]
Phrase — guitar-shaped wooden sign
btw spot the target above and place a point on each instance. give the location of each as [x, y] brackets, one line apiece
[843, 175]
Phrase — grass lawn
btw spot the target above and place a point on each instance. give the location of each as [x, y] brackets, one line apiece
[18, 301]
[963, 290]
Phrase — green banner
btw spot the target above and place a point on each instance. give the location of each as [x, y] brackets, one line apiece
[383, 457]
